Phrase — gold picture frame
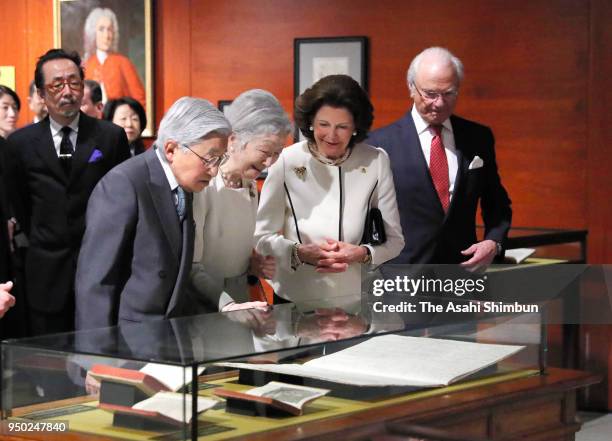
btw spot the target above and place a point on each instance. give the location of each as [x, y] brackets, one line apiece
[130, 55]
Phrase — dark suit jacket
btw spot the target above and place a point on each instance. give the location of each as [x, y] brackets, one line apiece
[136, 257]
[51, 206]
[430, 235]
[5, 272]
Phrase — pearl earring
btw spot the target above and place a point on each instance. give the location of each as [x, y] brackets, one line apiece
[355, 133]
[310, 128]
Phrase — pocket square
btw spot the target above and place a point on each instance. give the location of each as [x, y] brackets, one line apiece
[477, 162]
[96, 155]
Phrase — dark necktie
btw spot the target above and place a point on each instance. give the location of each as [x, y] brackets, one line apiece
[188, 205]
[66, 150]
[180, 203]
[438, 167]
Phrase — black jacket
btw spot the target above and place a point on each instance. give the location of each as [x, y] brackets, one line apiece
[429, 234]
[51, 206]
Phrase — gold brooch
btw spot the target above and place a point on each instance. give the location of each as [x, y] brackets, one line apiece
[363, 170]
[300, 172]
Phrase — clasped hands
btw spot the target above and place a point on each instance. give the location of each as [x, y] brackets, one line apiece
[331, 256]
[329, 324]
[262, 267]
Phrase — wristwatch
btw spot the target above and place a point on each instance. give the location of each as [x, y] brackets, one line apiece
[295, 258]
[367, 259]
[498, 249]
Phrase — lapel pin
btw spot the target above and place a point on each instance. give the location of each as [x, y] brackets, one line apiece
[300, 172]
[363, 170]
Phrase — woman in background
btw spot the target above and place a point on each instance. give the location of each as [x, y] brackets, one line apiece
[114, 71]
[9, 111]
[316, 197]
[225, 212]
[126, 112]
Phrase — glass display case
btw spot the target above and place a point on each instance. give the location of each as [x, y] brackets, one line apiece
[554, 244]
[136, 381]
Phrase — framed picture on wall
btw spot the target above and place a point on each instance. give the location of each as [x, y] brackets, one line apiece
[115, 41]
[315, 58]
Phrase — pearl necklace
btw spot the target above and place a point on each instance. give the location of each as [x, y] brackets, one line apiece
[230, 183]
[327, 161]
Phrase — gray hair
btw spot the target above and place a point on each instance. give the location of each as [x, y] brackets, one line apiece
[188, 121]
[257, 112]
[439, 52]
[89, 30]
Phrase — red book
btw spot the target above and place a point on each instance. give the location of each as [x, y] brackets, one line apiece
[146, 383]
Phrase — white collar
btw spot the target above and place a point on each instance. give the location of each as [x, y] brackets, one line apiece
[422, 126]
[56, 127]
[101, 55]
[167, 170]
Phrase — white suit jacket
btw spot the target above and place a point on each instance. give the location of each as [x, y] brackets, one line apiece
[306, 201]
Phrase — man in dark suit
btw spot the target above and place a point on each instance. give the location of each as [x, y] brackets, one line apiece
[6, 299]
[5, 257]
[443, 166]
[53, 166]
[136, 256]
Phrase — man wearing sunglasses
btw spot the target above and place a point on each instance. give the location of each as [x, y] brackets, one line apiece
[136, 256]
[443, 166]
[53, 167]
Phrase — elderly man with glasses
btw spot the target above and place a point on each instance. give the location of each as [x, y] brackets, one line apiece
[136, 256]
[53, 166]
[443, 166]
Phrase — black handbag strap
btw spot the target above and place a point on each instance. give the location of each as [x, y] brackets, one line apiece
[367, 228]
[371, 193]
[297, 229]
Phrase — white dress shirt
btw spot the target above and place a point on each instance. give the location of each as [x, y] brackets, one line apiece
[167, 171]
[57, 134]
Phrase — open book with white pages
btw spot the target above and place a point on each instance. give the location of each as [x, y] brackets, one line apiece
[518, 255]
[395, 360]
[158, 398]
[289, 398]
[174, 406]
[151, 378]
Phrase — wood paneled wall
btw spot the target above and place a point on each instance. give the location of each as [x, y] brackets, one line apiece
[538, 72]
[27, 32]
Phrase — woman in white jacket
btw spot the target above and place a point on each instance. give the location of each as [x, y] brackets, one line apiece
[226, 210]
[314, 202]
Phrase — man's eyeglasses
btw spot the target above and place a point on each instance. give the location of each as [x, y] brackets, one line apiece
[211, 161]
[57, 86]
[431, 96]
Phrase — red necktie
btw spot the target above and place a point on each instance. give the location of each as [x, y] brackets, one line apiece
[438, 167]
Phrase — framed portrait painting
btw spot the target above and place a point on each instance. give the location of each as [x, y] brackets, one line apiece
[115, 41]
[315, 58]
